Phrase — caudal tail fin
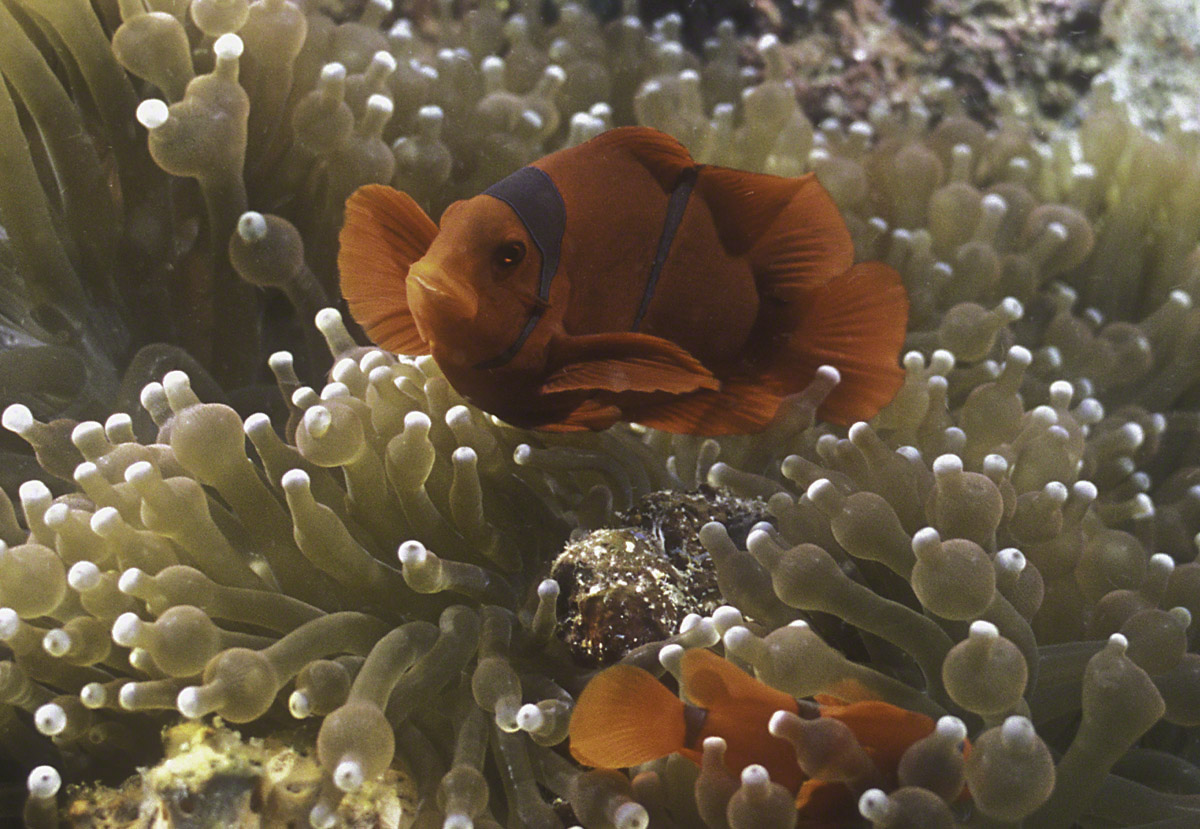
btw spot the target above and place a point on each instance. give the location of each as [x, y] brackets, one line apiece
[855, 323]
[624, 717]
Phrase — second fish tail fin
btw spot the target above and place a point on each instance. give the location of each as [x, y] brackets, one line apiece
[625, 717]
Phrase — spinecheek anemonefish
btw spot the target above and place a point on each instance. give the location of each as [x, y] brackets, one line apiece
[625, 717]
[619, 280]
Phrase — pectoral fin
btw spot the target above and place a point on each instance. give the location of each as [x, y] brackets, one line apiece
[625, 362]
[385, 232]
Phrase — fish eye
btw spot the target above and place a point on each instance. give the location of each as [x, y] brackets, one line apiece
[509, 255]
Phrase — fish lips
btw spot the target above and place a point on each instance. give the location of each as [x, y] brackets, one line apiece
[432, 292]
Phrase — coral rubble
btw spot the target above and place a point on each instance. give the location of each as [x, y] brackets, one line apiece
[1008, 548]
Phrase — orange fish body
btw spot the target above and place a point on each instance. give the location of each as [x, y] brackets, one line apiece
[619, 280]
[625, 717]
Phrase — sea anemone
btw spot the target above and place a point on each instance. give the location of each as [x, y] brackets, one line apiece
[1009, 547]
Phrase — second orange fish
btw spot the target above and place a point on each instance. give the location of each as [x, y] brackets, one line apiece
[620, 280]
[625, 717]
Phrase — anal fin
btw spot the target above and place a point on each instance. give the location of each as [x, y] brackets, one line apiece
[625, 362]
[590, 414]
[741, 406]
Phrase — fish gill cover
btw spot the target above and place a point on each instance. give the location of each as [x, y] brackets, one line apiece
[1007, 548]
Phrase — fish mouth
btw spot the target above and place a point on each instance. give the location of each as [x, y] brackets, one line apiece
[451, 295]
[423, 280]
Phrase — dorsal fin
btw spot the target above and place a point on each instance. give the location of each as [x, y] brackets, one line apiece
[739, 709]
[384, 233]
[712, 682]
[624, 717]
[789, 228]
[663, 156]
[884, 730]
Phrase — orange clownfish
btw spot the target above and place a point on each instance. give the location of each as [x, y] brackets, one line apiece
[619, 280]
[625, 717]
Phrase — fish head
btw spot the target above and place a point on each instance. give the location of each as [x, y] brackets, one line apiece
[474, 289]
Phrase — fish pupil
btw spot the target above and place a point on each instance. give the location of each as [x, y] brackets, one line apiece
[509, 255]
